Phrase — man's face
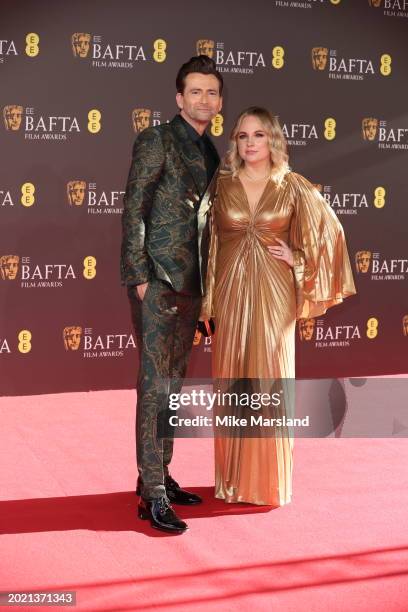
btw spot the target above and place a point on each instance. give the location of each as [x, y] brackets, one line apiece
[307, 329]
[9, 267]
[363, 261]
[81, 44]
[72, 337]
[205, 47]
[13, 115]
[141, 120]
[405, 325]
[201, 99]
[370, 129]
[77, 192]
[319, 55]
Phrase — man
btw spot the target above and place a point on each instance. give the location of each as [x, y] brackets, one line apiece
[164, 259]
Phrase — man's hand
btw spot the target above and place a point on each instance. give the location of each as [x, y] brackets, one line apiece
[141, 290]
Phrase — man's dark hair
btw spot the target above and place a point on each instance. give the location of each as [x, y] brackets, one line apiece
[198, 63]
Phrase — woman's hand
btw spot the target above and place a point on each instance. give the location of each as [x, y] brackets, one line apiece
[282, 252]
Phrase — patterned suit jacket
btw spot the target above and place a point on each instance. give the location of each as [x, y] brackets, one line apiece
[165, 217]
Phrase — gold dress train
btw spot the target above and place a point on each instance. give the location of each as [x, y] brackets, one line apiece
[256, 299]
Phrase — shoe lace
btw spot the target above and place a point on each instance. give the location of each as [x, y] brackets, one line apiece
[164, 505]
[171, 483]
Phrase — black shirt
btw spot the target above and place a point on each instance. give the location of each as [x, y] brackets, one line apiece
[206, 147]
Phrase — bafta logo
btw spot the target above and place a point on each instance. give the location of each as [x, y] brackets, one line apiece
[319, 57]
[405, 325]
[12, 117]
[9, 266]
[76, 192]
[205, 47]
[197, 338]
[318, 186]
[363, 259]
[306, 329]
[369, 127]
[375, 3]
[80, 44]
[72, 337]
[141, 119]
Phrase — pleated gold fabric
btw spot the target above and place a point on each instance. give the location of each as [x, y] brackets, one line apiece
[256, 299]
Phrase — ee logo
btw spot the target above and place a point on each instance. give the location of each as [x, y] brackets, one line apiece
[372, 328]
[330, 128]
[32, 49]
[385, 67]
[159, 47]
[379, 197]
[94, 121]
[89, 267]
[277, 57]
[217, 125]
[24, 341]
[27, 194]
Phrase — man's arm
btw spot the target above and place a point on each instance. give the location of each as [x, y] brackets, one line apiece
[145, 170]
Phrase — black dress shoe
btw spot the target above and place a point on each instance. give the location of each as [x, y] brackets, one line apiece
[161, 515]
[175, 494]
[180, 496]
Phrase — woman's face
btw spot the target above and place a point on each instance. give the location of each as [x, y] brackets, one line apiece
[252, 141]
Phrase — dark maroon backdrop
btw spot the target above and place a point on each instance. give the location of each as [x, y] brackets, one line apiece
[364, 77]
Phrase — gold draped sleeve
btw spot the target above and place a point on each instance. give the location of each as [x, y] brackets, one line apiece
[207, 307]
[322, 271]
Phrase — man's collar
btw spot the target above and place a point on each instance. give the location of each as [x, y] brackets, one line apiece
[193, 134]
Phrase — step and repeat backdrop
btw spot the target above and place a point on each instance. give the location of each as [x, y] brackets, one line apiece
[79, 81]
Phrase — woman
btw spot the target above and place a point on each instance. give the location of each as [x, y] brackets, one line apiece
[277, 254]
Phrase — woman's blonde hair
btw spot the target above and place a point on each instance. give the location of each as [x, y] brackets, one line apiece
[277, 142]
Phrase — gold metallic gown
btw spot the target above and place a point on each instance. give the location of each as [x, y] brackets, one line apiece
[256, 299]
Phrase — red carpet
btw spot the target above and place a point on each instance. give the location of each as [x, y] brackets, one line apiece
[68, 520]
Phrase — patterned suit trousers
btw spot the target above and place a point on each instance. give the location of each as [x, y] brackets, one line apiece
[164, 323]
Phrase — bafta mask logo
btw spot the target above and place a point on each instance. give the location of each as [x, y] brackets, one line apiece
[205, 47]
[375, 3]
[197, 338]
[306, 329]
[319, 57]
[318, 186]
[141, 119]
[12, 117]
[405, 325]
[72, 337]
[9, 266]
[363, 259]
[369, 127]
[76, 192]
[80, 44]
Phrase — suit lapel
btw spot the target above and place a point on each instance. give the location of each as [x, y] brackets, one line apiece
[190, 154]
